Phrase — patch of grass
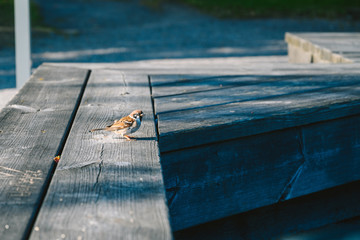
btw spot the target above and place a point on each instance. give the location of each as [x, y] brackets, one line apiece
[278, 8]
[329, 9]
[7, 21]
[6, 13]
[153, 4]
[36, 17]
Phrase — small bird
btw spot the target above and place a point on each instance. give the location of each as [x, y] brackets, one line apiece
[125, 125]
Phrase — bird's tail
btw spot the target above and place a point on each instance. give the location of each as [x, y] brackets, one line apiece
[97, 129]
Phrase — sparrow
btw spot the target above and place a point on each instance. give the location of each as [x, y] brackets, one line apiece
[125, 125]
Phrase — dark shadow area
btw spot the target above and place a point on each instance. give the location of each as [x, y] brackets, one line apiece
[296, 215]
[228, 177]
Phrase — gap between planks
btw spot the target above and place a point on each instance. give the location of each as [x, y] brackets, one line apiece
[153, 109]
[58, 153]
[123, 191]
[32, 129]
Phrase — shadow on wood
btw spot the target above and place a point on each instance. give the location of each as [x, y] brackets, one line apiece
[271, 222]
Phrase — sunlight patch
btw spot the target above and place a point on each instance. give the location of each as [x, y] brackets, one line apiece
[79, 53]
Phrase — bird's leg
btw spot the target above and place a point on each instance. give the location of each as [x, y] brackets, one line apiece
[129, 138]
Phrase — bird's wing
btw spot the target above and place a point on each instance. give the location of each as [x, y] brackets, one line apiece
[124, 122]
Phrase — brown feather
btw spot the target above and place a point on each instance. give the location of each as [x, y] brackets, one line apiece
[122, 123]
[97, 129]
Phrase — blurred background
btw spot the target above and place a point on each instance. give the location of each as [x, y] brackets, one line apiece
[131, 30]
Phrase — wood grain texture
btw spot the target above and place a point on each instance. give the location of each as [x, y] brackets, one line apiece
[223, 179]
[294, 216]
[224, 122]
[236, 176]
[245, 88]
[192, 85]
[31, 130]
[106, 187]
[332, 156]
[257, 65]
[169, 79]
[195, 84]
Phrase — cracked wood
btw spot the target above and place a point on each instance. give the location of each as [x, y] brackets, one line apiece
[236, 176]
[31, 130]
[106, 187]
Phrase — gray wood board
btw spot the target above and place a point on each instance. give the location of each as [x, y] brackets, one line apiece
[219, 180]
[217, 123]
[331, 151]
[195, 84]
[334, 42]
[236, 176]
[258, 65]
[168, 79]
[256, 87]
[280, 220]
[106, 187]
[31, 130]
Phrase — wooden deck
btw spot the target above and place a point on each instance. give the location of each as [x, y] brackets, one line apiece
[252, 138]
[253, 141]
[102, 187]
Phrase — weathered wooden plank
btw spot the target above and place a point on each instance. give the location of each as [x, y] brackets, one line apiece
[289, 217]
[322, 47]
[167, 79]
[223, 179]
[236, 176]
[275, 86]
[105, 187]
[196, 84]
[332, 156]
[255, 65]
[32, 128]
[212, 124]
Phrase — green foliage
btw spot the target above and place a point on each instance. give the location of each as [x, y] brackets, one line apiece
[36, 17]
[278, 8]
[7, 13]
[153, 4]
[7, 21]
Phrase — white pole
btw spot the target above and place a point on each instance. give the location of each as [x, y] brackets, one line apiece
[22, 42]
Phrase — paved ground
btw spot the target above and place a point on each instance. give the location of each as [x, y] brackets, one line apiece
[114, 31]
[118, 31]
